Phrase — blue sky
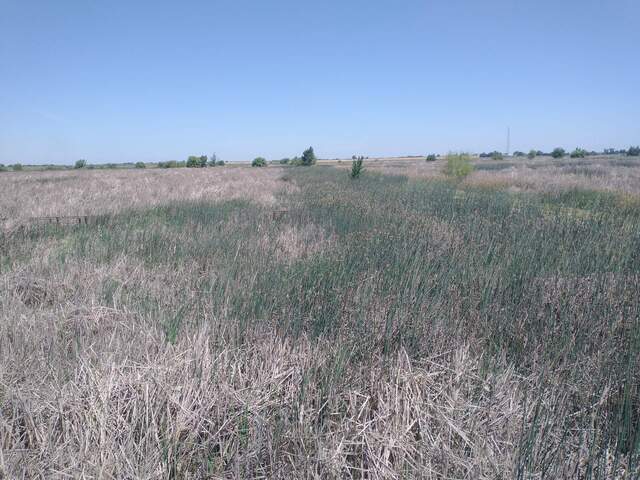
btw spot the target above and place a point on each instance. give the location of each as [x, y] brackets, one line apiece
[117, 81]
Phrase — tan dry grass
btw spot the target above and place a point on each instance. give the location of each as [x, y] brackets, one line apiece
[95, 192]
[540, 174]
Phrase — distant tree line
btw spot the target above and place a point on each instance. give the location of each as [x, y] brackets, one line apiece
[560, 152]
[307, 159]
[193, 161]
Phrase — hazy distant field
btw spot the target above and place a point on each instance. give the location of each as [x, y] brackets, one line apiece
[400, 325]
[615, 173]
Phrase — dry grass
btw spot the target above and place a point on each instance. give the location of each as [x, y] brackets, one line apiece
[542, 174]
[94, 391]
[95, 192]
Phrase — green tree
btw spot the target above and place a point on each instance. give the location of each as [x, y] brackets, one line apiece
[193, 161]
[17, 167]
[532, 154]
[558, 152]
[140, 165]
[259, 162]
[578, 153]
[633, 151]
[203, 161]
[82, 163]
[432, 157]
[308, 157]
[220, 163]
[2, 168]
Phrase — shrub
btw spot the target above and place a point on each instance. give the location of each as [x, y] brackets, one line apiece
[558, 152]
[140, 165]
[458, 165]
[532, 154]
[633, 151]
[17, 167]
[220, 163]
[357, 167]
[193, 161]
[284, 161]
[518, 153]
[308, 157]
[168, 164]
[82, 163]
[2, 168]
[495, 155]
[578, 153]
[259, 162]
[213, 160]
[431, 158]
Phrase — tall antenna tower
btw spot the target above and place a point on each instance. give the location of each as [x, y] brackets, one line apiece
[508, 140]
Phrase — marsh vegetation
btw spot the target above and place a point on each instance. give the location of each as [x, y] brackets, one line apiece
[390, 327]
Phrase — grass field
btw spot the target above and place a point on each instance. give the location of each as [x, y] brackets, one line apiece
[385, 327]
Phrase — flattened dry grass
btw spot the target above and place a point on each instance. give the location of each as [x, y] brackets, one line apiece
[96, 192]
[383, 328]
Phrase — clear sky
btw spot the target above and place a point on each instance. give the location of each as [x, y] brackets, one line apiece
[118, 81]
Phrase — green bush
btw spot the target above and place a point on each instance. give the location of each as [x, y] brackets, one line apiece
[578, 153]
[357, 167]
[308, 157]
[2, 168]
[518, 153]
[82, 163]
[532, 154]
[633, 151]
[259, 162]
[284, 161]
[558, 152]
[458, 165]
[140, 165]
[17, 167]
[213, 160]
[220, 163]
[193, 161]
[431, 157]
[495, 155]
[168, 164]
